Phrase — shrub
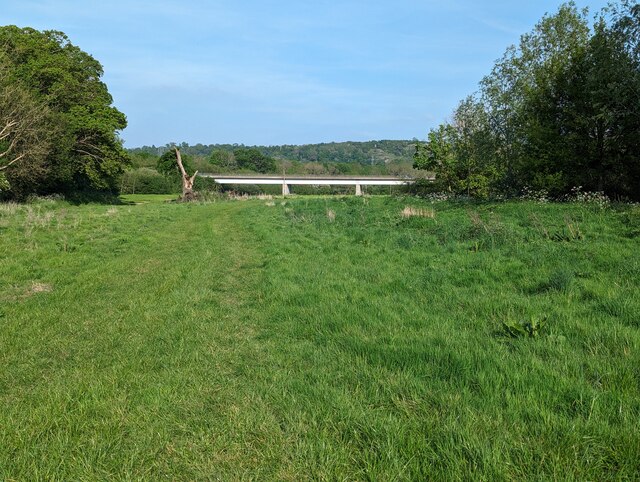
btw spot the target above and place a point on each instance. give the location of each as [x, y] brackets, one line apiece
[475, 185]
[250, 189]
[207, 184]
[551, 183]
[145, 180]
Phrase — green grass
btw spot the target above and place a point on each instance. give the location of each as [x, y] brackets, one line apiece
[148, 198]
[276, 340]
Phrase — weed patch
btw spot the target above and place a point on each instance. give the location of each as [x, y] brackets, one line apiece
[531, 328]
[568, 233]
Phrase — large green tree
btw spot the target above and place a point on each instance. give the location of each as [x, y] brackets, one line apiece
[625, 20]
[601, 122]
[86, 152]
[560, 110]
[524, 96]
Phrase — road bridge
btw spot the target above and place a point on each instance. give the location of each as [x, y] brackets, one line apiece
[293, 180]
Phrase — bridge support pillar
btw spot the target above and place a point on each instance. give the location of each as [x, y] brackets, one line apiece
[285, 189]
[358, 190]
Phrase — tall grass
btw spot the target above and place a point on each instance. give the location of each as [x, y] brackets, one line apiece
[319, 339]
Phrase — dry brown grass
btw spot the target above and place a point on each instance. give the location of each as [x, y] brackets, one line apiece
[245, 197]
[35, 218]
[18, 293]
[39, 288]
[9, 208]
[409, 212]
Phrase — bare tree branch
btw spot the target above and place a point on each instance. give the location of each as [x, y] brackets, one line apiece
[24, 132]
[6, 166]
[180, 166]
[187, 181]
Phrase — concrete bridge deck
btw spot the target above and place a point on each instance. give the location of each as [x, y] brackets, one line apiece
[286, 181]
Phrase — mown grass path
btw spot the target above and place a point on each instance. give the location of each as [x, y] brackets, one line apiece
[318, 339]
[123, 360]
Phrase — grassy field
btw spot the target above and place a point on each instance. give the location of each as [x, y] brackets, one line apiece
[331, 339]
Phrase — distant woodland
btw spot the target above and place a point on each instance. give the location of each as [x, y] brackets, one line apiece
[379, 155]
[153, 167]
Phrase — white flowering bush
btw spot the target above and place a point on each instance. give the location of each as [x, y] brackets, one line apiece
[537, 195]
[595, 198]
[439, 196]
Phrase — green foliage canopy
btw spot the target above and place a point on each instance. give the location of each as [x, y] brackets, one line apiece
[560, 110]
[168, 164]
[370, 153]
[86, 152]
[457, 152]
[253, 160]
[223, 160]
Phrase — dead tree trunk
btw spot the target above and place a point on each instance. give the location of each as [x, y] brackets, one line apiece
[187, 182]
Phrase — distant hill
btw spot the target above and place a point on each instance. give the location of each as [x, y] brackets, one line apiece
[367, 153]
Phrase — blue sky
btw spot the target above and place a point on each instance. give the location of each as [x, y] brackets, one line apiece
[286, 72]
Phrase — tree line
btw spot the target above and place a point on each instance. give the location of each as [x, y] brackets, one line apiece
[365, 153]
[154, 169]
[558, 111]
